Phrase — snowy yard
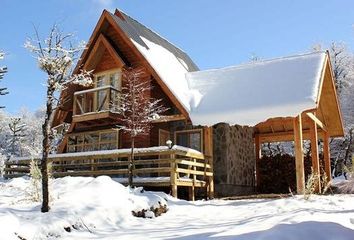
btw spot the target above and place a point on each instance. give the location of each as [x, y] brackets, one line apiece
[100, 208]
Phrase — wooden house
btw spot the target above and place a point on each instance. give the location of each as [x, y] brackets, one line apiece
[204, 108]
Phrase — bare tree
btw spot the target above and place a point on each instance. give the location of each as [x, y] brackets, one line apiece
[17, 134]
[55, 55]
[3, 70]
[343, 65]
[137, 109]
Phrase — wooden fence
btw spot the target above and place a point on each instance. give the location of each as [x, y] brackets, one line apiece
[156, 166]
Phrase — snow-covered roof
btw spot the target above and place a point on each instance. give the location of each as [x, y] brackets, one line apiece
[246, 94]
[169, 62]
[251, 93]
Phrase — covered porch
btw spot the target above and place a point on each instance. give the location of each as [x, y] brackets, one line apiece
[284, 99]
[305, 126]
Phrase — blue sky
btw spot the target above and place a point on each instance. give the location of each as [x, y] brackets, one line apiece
[215, 33]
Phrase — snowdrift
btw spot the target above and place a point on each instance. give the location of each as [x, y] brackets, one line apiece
[83, 204]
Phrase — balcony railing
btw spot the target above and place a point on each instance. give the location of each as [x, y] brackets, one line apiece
[95, 100]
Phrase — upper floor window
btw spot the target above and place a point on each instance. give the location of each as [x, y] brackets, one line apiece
[112, 78]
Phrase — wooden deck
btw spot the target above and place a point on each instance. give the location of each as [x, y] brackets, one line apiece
[156, 166]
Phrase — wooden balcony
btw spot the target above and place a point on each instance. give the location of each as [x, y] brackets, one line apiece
[154, 166]
[96, 103]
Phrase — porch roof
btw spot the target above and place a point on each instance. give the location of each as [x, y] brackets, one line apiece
[252, 93]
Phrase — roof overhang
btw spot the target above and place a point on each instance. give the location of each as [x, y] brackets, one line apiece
[326, 114]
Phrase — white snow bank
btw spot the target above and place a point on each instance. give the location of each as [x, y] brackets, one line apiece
[104, 207]
[251, 93]
[344, 185]
[89, 204]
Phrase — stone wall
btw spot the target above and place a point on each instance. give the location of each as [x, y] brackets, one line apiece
[234, 160]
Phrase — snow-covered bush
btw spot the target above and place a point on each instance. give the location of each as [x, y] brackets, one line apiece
[310, 186]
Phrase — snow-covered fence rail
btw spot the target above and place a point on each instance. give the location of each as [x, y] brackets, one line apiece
[155, 166]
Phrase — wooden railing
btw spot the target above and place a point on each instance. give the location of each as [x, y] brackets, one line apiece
[95, 100]
[156, 166]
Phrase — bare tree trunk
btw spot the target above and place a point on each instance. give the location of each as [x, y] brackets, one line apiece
[347, 152]
[131, 162]
[350, 142]
[46, 149]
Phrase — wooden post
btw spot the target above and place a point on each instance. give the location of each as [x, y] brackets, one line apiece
[108, 100]
[208, 151]
[258, 158]
[173, 176]
[192, 188]
[299, 156]
[314, 155]
[327, 156]
[74, 105]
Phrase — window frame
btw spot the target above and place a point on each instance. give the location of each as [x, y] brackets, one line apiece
[83, 144]
[107, 80]
[191, 131]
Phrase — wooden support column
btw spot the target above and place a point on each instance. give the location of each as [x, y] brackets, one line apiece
[191, 190]
[327, 156]
[208, 152]
[173, 176]
[257, 141]
[74, 105]
[314, 156]
[299, 156]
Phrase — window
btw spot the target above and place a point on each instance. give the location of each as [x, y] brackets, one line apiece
[112, 78]
[109, 78]
[93, 141]
[190, 138]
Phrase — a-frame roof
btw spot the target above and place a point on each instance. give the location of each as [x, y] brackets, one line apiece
[101, 45]
[167, 63]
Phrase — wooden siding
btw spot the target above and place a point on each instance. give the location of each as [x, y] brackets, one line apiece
[106, 63]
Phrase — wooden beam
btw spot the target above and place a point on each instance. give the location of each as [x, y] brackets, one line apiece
[315, 157]
[170, 118]
[317, 121]
[285, 136]
[208, 152]
[299, 156]
[327, 157]
[258, 158]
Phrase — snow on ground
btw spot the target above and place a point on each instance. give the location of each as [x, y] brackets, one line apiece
[100, 208]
